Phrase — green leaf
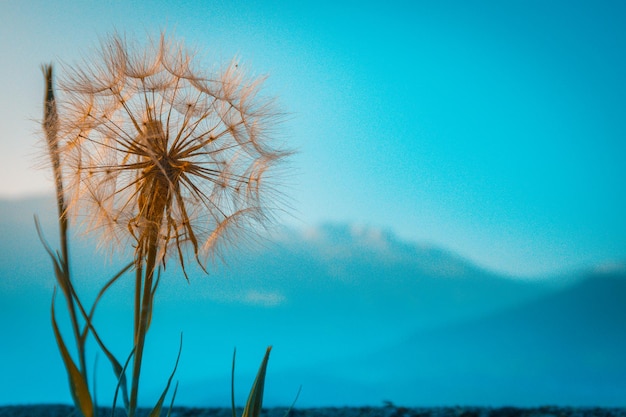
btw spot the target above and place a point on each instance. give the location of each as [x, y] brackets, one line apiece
[255, 399]
[59, 270]
[95, 383]
[232, 385]
[150, 301]
[117, 368]
[101, 293]
[169, 411]
[119, 382]
[78, 385]
[156, 411]
[293, 404]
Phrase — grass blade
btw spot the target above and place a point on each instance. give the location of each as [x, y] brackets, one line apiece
[232, 384]
[156, 411]
[59, 270]
[95, 386]
[117, 368]
[101, 293]
[169, 412]
[293, 404]
[117, 387]
[255, 399]
[78, 385]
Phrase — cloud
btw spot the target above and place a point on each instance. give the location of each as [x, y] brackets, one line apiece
[611, 268]
[265, 299]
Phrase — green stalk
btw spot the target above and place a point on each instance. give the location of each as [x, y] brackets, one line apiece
[154, 210]
[146, 306]
[138, 282]
[51, 126]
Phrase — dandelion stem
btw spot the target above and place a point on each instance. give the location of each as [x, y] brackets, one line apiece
[154, 209]
[138, 281]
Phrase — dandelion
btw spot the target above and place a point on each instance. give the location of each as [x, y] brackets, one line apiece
[163, 154]
[170, 158]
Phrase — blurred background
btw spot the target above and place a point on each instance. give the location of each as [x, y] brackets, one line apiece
[456, 234]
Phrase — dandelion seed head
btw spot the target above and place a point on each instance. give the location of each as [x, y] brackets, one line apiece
[156, 150]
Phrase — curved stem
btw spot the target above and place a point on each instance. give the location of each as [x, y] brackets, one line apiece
[146, 252]
[142, 329]
[51, 128]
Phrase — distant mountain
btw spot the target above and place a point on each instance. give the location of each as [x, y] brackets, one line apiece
[331, 299]
[359, 272]
[566, 348]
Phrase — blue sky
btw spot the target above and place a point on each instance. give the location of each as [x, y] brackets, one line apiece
[493, 129]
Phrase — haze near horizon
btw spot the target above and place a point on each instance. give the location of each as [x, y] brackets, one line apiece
[356, 316]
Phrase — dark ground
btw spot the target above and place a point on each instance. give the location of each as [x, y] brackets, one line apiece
[389, 411]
